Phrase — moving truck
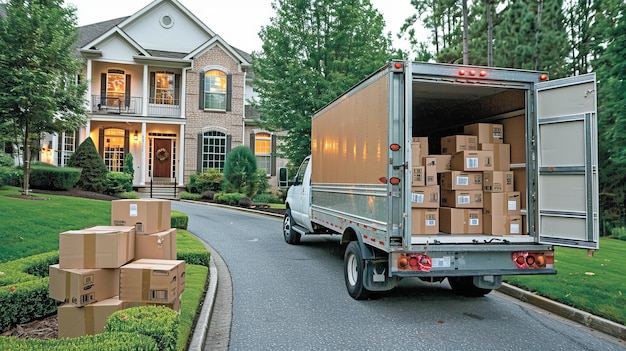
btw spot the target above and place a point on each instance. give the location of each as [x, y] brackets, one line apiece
[391, 157]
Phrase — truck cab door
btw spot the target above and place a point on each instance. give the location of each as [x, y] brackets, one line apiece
[301, 194]
[567, 163]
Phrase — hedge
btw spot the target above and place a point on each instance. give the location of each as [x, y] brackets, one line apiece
[101, 342]
[53, 178]
[179, 220]
[158, 322]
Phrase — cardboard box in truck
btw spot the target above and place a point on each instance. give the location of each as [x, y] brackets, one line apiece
[425, 196]
[459, 180]
[462, 198]
[501, 204]
[486, 132]
[472, 160]
[460, 220]
[502, 225]
[424, 221]
[498, 181]
[456, 143]
[442, 162]
[501, 155]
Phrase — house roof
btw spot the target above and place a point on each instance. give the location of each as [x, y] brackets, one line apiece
[93, 32]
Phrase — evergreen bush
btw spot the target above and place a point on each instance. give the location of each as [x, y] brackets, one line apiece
[118, 182]
[49, 177]
[240, 171]
[210, 180]
[93, 177]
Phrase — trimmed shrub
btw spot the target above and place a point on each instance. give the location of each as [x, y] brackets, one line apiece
[198, 257]
[93, 178]
[240, 171]
[179, 220]
[228, 198]
[129, 168]
[11, 176]
[118, 182]
[189, 196]
[210, 180]
[157, 322]
[49, 177]
[266, 198]
[100, 342]
[208, 195]
[245, 202]
[128, 195]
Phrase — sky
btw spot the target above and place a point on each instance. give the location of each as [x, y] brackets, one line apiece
[240, 31]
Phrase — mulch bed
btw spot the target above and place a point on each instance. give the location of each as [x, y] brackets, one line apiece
[47, 328]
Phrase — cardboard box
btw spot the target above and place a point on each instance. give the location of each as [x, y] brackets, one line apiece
[424, 221]
[88, 320]
[502, 225]
[498, 181]
[501, 155]
[148, 215]
[472, 161]
[96, 247]
[519, 183]
[486, 132]
[516, 137]
[460, 220]
[425, 196]
[456, 143]
[416, 153]
[180, 265]
[462, 198]
[442, 162]
[430, 169]
[502, 204]
[161, 245]
[80, 287]
[418, 177]
[156, 281]
[458, 180]
[423, 144]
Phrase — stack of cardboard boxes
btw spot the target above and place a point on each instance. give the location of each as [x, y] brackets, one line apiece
[104, 269]
[471, 191]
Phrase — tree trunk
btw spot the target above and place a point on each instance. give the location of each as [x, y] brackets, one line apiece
[465, 34]
[26, 154]
[489, 34]
[539, 11]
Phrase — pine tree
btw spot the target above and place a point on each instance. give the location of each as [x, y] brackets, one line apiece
[93, 178]
[312, 52]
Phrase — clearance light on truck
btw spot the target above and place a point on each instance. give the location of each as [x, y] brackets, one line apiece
[528, 260]
[472, 72]
[415, 262]
[543, 77]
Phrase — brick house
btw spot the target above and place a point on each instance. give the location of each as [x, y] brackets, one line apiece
[166, 88]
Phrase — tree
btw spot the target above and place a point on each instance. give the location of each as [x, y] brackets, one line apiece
[94, 175]
[312, 52]
[129, 168]
[38, 89]
[240, 171]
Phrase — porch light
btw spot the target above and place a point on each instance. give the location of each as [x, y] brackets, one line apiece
[135, 137]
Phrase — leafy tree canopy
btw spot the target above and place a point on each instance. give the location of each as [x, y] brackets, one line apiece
[312, 52]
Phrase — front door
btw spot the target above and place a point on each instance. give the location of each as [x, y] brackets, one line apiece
[162, 159]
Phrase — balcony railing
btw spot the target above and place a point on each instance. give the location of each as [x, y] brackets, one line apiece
[117, 105]
[134, 106]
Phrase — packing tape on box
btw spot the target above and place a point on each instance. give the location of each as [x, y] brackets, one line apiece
[89, 251]
[130, 250]
[160, 216]
[90, 323]
[68, 286]
[145, 285]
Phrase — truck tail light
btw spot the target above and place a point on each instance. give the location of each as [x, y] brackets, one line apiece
[462, 72]
[394, 181]
[543, 77]
[529, 260]
[415, 262]
[395, 147]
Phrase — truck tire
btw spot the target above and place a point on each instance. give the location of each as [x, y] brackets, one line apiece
[353, 269]
[464, 286]
[291, 236]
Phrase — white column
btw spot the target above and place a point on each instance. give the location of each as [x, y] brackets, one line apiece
[146, 86]
[181, 156]
[144, 152]
[88, 92]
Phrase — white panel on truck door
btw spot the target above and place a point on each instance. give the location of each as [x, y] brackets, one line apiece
[567, 162]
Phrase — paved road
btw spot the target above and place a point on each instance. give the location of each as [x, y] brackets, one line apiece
[293, 298]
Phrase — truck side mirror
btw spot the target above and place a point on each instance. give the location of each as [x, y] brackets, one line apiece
[283, 177]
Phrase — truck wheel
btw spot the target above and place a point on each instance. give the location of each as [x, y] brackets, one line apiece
[464, 286]
[354, 266]
[291, 236]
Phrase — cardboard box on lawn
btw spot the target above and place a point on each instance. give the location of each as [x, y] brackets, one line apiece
[96, 247]
[80, 287]
[151, 280]
[75, 321]
[147, 215]
[161, 245]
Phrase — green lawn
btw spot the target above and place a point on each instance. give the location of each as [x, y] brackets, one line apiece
[594, 284]
[32, 226]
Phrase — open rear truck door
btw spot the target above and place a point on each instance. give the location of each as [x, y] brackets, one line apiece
[567, 163]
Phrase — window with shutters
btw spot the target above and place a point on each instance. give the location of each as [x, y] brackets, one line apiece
[115, 87]
[213, 152]
[215, 90]
[263, 151]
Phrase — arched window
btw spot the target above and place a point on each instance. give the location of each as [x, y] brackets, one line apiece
[215, 90]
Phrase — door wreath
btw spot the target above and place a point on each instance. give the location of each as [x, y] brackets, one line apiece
[162, 154]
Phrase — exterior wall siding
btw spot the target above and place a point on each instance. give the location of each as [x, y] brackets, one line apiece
[230, 122]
